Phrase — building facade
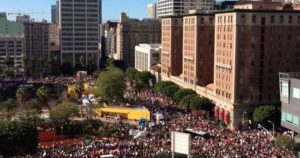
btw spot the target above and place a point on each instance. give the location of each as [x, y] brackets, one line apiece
[37, 47]
[152, 11]
[23, 18]
[289, 85]
[171, 40]
[109, 29]
[146, 56]
[180, 7]
[252, 44]
[132, 32]
[198, 49]
[12, 44]
[54, 11]
[79, 24]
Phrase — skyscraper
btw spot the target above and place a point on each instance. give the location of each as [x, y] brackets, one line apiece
[151, 11]
[80, 32]
[53, 13]
[179, 7]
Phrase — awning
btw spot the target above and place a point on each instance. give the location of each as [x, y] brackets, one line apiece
[217, 111]
[221, 114]
[226, 117]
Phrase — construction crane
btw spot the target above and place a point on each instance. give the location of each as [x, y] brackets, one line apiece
[20, 13]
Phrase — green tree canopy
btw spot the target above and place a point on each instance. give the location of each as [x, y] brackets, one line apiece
[264, 113]
[162, 84]
[63, 112]
[34, 107]
[111, 84]
[18, 138]
[43, 94]
[130, 73]
[182, 93]
[8, 108]
[21, 95]
[170, 90]
[284, 142]
[186, 101]
[142, 79]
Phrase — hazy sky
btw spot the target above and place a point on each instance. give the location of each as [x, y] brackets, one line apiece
[111, 9]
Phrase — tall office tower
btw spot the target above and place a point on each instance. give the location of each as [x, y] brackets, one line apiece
[151, 11]
[253, 43]
[37, 47]
[198, 49]
[179, 7]
[12, 44]
[54, 13]
[79, 23]
[23, 18]
[132, 32]
[171, 40]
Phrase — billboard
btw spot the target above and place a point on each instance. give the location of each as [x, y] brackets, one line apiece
[181, 143]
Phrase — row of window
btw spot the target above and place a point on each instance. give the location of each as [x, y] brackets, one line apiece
[287, 117]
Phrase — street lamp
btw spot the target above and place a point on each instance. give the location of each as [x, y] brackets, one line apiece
[262, 127]
[272, 126]
[244, 113]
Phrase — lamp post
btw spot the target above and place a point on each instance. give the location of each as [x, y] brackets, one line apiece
[244, 113]
[262, 127]
[273, 126]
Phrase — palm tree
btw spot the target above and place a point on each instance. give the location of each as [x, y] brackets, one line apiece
[9, 61]
[21, 95]
[79, 89]
[43, 95]
[81, 61]
[8, 108]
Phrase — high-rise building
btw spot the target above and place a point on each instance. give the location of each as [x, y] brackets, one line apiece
[54, 16]
[12, 44]
[37, 47]
[146, 56]
[179, 7]
[79, 23]
[198, 48]
[132, 32]
[171, 40]
[253, 43]
[151, 11]
[23, 18]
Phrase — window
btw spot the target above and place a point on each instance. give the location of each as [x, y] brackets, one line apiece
[287, 117]
[272, 19]
[284, 89]
[281, 19]
[290, 19]
[253, 19]
[296, 93]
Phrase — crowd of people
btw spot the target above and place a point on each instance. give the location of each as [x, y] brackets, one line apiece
[221, 142]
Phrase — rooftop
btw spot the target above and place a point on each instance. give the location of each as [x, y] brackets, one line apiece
[289, 75]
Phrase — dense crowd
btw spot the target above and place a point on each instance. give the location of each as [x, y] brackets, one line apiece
[220, 143]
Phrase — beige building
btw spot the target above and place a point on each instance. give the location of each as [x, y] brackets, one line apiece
[152, 11]
[14, 47]
[251, 47]
[37, 47]
[132, 32]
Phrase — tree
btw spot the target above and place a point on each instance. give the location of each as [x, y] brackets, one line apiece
[21, 96]
[8, 108]
[186, 101]
[111, 84]
[284, 142]
[9, 61]
[79, 89]
[130, 73]
[263, 114]
[43, 95]
[170, 90]
[162, 84]
[34, 107]
[142, 78]
[9, 74]
[82, 62]
[18, 138]
[182, 93]
[63, 112]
